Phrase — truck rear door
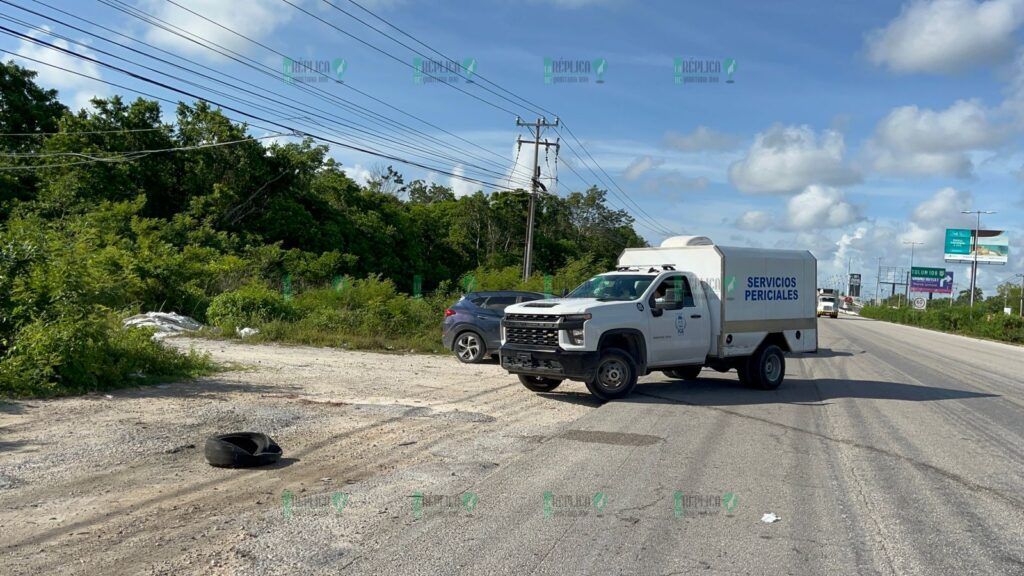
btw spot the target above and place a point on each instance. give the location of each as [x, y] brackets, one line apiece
[680, 334]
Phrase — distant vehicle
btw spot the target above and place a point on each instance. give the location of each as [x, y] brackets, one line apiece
[676, 308]
[828, 305]
[472, 326]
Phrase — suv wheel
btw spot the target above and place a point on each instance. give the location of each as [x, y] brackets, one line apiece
[539, 383]
[684, 373]
[469, 347]
[765, 369]
[615, 375]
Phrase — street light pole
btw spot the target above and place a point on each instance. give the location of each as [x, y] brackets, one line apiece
[1020, 310]
[911, 279]
[974, 266]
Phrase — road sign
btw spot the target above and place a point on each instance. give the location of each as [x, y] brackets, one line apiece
[920, 303]
[937, 280]
[993, 246]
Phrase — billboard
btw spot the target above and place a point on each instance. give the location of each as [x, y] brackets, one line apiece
[854, 285]
[937, 280]
[993, 246]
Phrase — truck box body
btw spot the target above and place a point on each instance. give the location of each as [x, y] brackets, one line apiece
[751, 291]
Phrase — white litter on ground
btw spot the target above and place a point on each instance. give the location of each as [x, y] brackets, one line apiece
[770, 517]
[246, 332]
[166, 323]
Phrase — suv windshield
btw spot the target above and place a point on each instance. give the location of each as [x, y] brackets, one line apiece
[613, 287]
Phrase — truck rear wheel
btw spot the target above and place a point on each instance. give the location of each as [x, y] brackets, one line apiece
[765, 369]
[539, 383]
[615, 375]
[684, 373]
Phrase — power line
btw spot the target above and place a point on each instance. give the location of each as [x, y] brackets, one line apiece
[389, 142]
[349, 87]
[126, 156]
[403, 44]
[431, 48]
[41, 134]
[395, 58]
[248, 114]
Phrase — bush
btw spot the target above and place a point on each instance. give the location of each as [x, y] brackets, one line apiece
[249, 306]
[80, 352]
[955, 319]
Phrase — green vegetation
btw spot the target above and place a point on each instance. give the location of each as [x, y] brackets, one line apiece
[274, 237]
[983, 322]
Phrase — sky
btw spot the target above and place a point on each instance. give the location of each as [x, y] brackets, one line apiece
[856, 130]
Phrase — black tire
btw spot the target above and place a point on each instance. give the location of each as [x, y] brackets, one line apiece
[615, 375]
[539, 383]
[684, 373]
[241, 450]
[765, 370]
[469, 347]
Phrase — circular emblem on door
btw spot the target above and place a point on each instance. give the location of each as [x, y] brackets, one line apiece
[680, 324]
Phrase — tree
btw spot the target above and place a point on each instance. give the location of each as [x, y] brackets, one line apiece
[964, 297]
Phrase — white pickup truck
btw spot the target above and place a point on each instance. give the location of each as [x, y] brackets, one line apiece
[676, 308]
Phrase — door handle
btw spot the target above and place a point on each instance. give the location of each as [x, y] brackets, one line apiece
[694, 315]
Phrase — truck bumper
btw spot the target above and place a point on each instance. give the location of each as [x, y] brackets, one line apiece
[556, 363]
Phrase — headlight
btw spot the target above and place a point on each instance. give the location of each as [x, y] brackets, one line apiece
[576, 336]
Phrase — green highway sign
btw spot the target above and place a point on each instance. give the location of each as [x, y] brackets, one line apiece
[922, 272]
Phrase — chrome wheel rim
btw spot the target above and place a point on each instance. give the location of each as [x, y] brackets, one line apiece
[613, 374]
[467, 347]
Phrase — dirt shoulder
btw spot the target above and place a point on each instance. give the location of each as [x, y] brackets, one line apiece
[116, 483]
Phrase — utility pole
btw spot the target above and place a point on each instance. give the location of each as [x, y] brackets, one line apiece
[535, 184]
[974, 265]
[1020, 310]
[910, 278]
[878, 278]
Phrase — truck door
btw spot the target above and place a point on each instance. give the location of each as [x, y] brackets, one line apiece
[679, 323]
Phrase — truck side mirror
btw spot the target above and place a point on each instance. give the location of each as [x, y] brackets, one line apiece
[653, 305]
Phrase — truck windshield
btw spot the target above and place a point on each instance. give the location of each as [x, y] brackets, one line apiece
[613, 287]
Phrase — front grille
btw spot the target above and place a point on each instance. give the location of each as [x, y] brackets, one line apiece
[546, 337]
[532, 329]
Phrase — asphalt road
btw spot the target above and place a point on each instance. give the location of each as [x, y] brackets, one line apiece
[894, 450]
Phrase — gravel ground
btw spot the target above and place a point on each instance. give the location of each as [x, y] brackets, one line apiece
[116, 483]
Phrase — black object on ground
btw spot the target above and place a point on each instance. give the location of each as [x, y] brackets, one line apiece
[241, 450]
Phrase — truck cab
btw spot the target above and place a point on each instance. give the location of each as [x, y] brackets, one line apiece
[639, 318]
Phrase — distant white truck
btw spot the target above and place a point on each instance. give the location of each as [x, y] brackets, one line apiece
[828, 304]
[676, 308]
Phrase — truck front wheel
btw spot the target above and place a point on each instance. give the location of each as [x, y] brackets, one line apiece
[615, 375]
[539, 383]
[765, 369]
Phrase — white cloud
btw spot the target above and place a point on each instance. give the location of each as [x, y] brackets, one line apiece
[258, 19]
[754, 221]
[75, 90]
[916, 141]
[640, 166]
[785, 159]
[359, 173]
[944, 207]
[702, 138]
[459, 186]
[946, 35]
[820, 207]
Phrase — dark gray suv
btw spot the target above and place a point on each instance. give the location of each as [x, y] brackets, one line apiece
[472, 326]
